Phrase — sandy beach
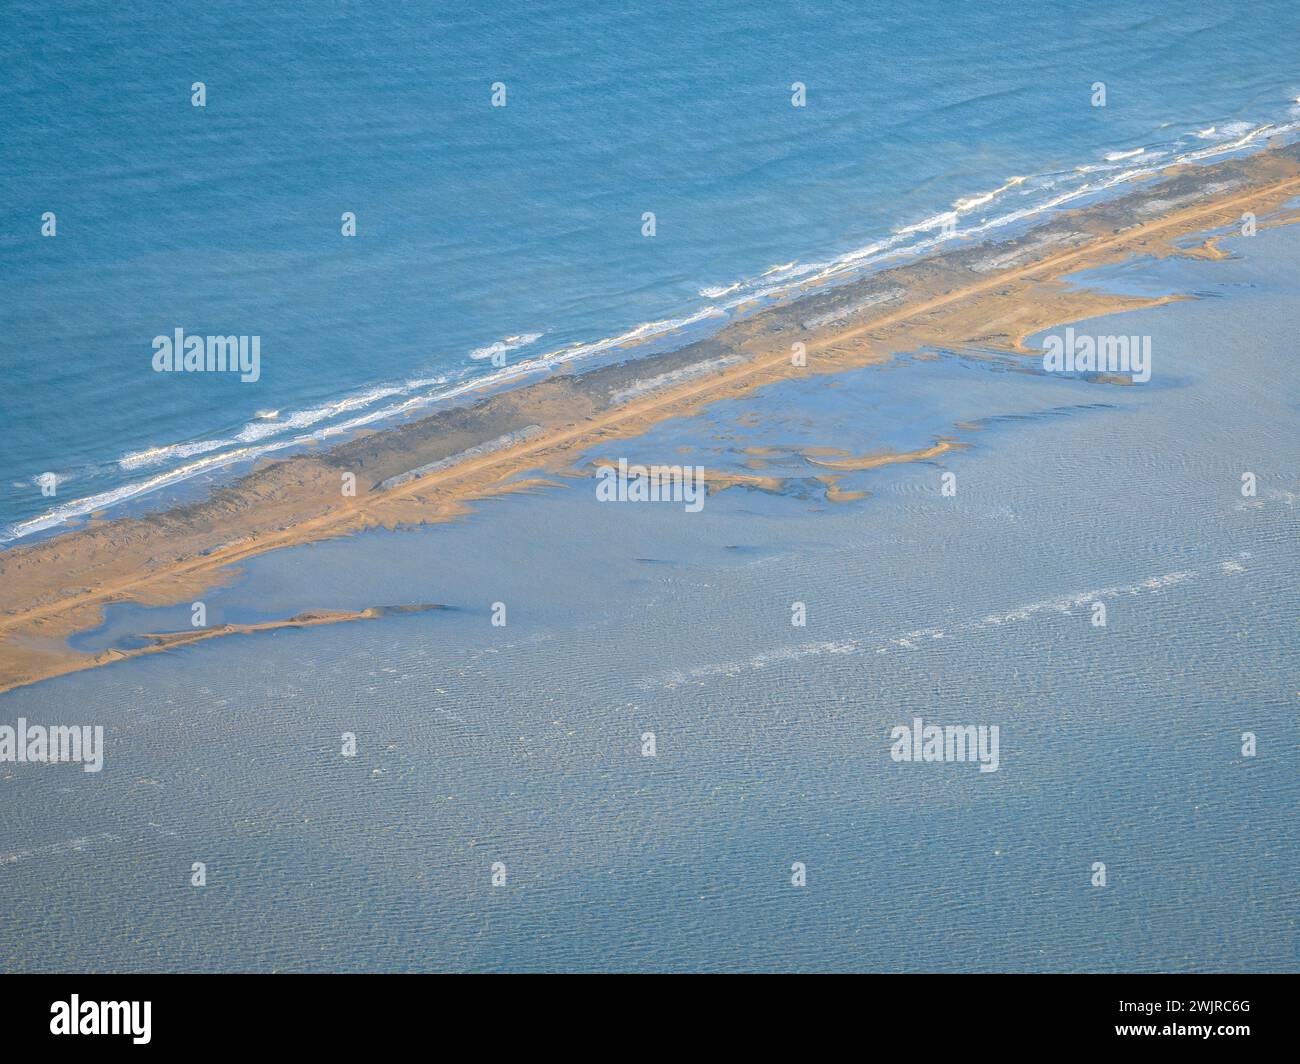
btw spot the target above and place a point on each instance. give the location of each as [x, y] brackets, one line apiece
[966, 296]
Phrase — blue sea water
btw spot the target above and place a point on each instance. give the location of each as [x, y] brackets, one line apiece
[518, 225]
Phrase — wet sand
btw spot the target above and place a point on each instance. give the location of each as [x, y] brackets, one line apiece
[968, 296]
[157, 642]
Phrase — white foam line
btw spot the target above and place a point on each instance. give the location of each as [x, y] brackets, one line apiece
[917, 637]
[510, 343]
[54, 849]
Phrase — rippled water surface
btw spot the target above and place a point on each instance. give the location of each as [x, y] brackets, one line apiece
[522, 745]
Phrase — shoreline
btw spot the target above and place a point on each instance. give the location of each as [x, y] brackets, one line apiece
[974, 295]
[158, 474]
[157, 642]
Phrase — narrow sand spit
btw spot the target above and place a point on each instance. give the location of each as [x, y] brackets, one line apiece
[157, 642]
[968, 296]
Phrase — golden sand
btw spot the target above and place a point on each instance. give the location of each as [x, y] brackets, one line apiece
[875, 461]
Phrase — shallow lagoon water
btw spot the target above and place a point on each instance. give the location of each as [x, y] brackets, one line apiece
[522, 744]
